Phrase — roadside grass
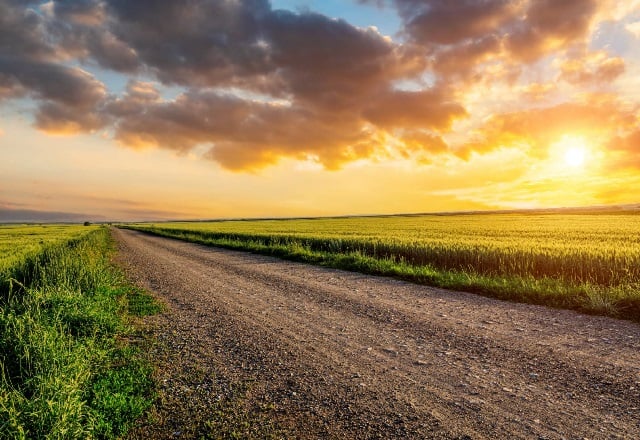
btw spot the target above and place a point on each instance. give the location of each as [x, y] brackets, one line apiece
[67, 366]
[621, 300]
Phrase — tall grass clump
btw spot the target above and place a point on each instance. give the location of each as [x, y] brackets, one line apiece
[64, 370]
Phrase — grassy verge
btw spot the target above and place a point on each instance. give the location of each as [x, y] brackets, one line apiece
[66, 368]
[621, 300]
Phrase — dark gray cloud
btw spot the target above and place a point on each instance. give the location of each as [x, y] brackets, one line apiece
[329, 63]
[32, 63]
[446, 22]
[197, 43]
[307, 57]
[548, 25]
[23, 32]
[53, 82]
[58, 118]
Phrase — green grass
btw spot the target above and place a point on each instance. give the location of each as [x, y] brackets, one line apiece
[584, 262]
[20, 244]
[66, 368]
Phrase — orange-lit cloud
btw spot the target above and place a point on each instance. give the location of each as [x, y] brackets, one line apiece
[597, 117]
[626, 150]
[537, 91]
[430, 109]
[595, 67]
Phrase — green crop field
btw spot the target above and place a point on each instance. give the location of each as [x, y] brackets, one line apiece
[19, 242]
[65, 371]
[589, 262]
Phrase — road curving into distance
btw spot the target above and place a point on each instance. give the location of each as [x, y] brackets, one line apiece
[335, 354]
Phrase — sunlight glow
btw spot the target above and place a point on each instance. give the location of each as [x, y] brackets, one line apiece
[573, 150]
[574, 157]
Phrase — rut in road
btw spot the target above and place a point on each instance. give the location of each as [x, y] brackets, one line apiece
[335, 354]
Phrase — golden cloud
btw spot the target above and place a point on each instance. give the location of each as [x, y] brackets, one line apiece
[626, 151]
[595, 67]
[538, 91]
[598, 117]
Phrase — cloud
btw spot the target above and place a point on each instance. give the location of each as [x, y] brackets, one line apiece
[443, 22]
[625, 151]
[69, 97]
[203, 43]
[252, 134]
[79, 12]
[23, 32]
[538, 91]
[54, 82]
[343, 66]
[634, 28]
[460, 36]
[242, 133]
[422, 109]
[56, 118]
[421, 145]
[244, 44]
[595, 117]
[546, 27]
[32, 64]
[138, 96]
[592, 68]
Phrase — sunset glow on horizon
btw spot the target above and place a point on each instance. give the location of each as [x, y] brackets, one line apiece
[151, 110]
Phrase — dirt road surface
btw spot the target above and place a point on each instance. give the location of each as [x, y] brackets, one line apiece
[298, 351]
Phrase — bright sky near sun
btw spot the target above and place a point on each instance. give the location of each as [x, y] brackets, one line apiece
[132, 110]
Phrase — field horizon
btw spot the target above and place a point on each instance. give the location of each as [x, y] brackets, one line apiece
[626, 208]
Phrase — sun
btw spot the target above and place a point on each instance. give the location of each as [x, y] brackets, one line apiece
[573, 151]
[574, 156]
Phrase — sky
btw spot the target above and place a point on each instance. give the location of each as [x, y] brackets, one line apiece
[151, 110]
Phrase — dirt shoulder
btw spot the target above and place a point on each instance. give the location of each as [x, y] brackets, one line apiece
[283, 349]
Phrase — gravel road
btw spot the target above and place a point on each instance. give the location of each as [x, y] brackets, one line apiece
[310, 352]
